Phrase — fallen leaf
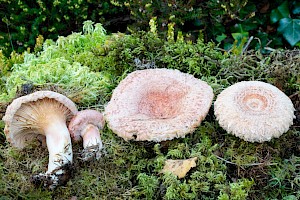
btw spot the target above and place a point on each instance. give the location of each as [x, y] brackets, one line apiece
[179, 167]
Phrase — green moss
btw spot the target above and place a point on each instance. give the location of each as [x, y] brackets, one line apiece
[56, 66]
[237, 191]
[79, 83]
[87, 67]
[284, 178]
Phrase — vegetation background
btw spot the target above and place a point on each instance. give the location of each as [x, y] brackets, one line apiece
[272, 23]
[61, 46]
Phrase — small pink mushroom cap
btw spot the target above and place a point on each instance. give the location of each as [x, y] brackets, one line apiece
[254, 111]
[82, 119]
[158, 105]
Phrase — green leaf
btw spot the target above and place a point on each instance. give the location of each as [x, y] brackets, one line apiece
[290, 28]
[281, 12]
[240, 36]
[296, 9]
[290, 197]
[220, 38]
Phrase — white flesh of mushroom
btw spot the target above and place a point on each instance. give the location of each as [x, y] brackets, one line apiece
[91, 136]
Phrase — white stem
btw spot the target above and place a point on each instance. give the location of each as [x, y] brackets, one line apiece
[91, 136]
[59, 145]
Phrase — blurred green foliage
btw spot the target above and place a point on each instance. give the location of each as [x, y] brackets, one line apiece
[231, 23]
[22, 21]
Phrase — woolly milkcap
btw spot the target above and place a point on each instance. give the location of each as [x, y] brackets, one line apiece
[43, 113]
[254, 111]
[81, 121]
[158, 105]
[86, 124]
[26, 116]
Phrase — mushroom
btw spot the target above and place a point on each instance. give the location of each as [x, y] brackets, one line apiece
[86, 125]
[157, 105]
[254, 111]
[43, 113]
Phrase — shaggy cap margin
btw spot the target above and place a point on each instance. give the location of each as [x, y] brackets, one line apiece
[158, 105]
[254, 111]
[17, 104]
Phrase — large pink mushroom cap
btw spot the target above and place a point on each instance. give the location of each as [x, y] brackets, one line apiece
[254, 111]
[158, 105]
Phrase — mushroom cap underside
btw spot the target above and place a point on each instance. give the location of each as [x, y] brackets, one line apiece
[82, 119]
[254, 111]
[26, 114]
[158, 105]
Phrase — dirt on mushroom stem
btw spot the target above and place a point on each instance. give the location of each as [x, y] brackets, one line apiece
[59, 176]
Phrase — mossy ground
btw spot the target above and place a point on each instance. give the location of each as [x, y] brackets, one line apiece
[227, 167]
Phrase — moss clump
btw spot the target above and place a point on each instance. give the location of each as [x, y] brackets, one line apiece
[280, 68]
[77, 81]
[58, 66]
[146, 50]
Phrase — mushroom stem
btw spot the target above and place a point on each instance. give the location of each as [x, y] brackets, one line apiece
[92, 143]
[59, 145]
[91, 136]
[60, 154]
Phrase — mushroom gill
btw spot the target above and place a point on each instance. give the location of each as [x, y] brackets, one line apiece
[46, 114]
[33, 119]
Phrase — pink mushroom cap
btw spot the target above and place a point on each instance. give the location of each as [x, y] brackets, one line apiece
[158, 105]
[254, 111]
[82, 119]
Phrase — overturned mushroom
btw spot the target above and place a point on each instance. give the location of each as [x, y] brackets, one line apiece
[254, 111]
[86, 125]
[158, 105]
[43, 113]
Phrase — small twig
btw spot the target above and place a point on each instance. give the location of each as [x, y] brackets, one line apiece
[269, 49]
[248, 43]
[295, 94]
[251, 164]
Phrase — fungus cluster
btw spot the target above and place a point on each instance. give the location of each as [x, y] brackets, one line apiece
[254, 111]
[148, 105]
[157, 105]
